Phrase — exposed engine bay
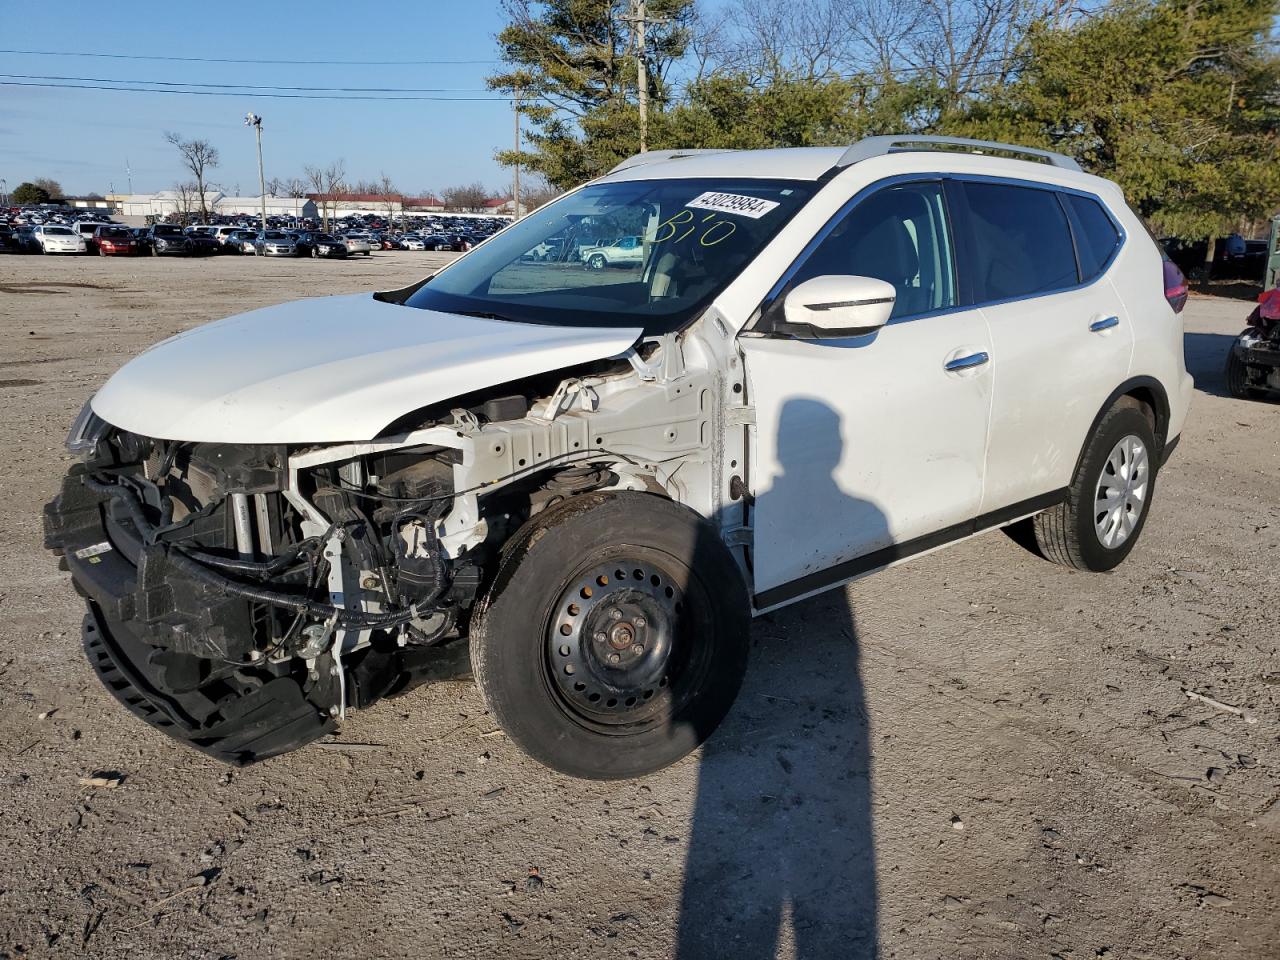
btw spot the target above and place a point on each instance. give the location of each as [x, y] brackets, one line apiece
[1253, 366]
[243, 597]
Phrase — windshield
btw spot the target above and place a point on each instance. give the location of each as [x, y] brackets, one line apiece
[648, 253]
[167, 229]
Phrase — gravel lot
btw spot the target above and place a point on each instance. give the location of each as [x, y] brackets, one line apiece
[977, 755]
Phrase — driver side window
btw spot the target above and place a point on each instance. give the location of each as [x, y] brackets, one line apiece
[899, 235]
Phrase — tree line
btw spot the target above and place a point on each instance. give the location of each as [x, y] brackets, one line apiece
[1176, 100]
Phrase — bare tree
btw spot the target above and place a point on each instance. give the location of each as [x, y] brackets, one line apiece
[53, 187]
[390, 196]
[793, 39]
[327, 181]
[959, 46]
[465, 198]
[199, 156]
[185, 194]
[535, 192]
[294, 187]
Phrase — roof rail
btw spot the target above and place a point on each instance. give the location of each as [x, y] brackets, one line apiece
[654, 156]
[869, 147]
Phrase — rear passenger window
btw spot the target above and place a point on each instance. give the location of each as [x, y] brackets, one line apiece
[1021, 242]
[1096, 235]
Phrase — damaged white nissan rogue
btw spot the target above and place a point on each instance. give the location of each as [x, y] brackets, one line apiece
[812, 364]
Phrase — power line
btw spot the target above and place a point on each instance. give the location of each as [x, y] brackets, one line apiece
[300, 63]
[247, 86]
[269, 96]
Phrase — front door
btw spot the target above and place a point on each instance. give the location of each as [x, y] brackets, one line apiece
[864, 445]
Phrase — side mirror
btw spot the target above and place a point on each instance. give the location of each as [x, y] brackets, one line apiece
[837, 306]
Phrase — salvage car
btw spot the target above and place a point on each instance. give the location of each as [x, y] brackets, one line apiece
[167, 239]
[823, 362]
[116, 241]
[358, 243]
[316, 244]
[1253, 362]
[275, 243]
[57, 239]
[622, 251]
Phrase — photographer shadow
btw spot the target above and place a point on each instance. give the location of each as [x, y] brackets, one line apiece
[781, 852]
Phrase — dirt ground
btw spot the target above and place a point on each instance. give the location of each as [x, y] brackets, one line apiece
[978, 754]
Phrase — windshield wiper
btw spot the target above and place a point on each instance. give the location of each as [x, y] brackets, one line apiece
[483, 315]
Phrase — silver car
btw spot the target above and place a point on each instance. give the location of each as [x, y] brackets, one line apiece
[358, 243]
[275, 243]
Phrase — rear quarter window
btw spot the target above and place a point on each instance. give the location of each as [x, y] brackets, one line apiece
[1021, 242]
[1097, 238]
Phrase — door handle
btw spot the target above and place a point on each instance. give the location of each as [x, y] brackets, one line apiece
[1106, 323]
[968, 362]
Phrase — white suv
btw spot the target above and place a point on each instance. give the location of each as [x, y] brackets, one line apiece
[823, 362]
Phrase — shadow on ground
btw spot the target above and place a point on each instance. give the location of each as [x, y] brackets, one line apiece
[1206, 357]
[781, 851]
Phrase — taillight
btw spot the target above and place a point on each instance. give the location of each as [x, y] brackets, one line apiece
[1175, 286]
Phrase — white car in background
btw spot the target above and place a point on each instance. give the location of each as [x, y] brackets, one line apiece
[412, 243]
[823, 362]
[59, 239]
[622, 252]
[358, 243]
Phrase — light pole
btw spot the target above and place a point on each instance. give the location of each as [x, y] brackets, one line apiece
[255, 121]
[4, 192]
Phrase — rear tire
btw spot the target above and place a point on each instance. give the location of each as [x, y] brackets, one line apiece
[614, 637]
[1109, 499]
[596, 262]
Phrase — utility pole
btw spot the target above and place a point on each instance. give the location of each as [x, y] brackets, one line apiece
[255, 121]
[516, 212]
[640, 23]
[128, 172]
[642, 72]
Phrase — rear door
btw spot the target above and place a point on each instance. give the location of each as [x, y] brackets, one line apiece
[1061, 340]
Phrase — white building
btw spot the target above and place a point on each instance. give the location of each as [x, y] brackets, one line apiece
[170, 202]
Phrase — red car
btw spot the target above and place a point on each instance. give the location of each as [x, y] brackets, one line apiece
[115, 242]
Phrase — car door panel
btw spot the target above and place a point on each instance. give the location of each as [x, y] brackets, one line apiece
[1060, 346]
[864, 443]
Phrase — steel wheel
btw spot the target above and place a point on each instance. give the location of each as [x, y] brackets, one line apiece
[619, 645]
[656, 582]
[1121, 494]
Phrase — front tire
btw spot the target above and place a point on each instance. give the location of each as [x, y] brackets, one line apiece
[1237, 376]
[614, 637]
[1109, 499]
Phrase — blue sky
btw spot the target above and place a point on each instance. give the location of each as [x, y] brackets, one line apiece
[82, 138]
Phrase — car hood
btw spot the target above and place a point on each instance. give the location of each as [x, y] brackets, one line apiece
[330, 369]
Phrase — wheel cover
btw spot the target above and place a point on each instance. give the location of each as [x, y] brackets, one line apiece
[619, 645]
[1121, 494]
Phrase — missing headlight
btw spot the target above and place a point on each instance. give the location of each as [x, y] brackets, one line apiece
[86, 431]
